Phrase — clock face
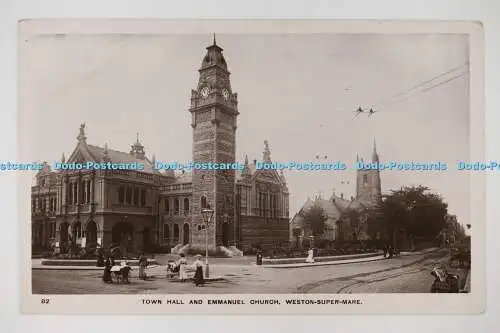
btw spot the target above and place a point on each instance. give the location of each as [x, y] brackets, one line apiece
[225, 93]
[204, 92]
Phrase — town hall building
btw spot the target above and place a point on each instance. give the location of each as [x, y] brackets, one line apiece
[148, 208]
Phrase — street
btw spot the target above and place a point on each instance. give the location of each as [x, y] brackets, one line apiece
[407, 274]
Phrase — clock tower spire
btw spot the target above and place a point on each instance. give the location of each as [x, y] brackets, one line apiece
[214, 111]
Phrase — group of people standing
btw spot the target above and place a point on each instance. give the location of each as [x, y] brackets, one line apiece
[389, 251]
[182, 268]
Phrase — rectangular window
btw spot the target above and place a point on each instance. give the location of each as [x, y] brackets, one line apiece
[128, 196]
[166, 232]
[143, 197]
[136, 197]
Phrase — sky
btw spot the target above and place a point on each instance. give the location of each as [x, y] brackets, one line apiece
[297, 91]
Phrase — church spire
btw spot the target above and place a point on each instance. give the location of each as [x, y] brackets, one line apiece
[63, 158]
[375, 155]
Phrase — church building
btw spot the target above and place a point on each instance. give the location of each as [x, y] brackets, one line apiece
[149, 209]
[347, 218]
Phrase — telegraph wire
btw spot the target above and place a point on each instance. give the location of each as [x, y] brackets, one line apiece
[420, 85]
[426, 89]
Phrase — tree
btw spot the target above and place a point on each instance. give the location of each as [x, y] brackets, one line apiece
[413, 209]
[315, 218]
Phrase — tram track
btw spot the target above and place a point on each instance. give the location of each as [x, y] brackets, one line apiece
[358, 278]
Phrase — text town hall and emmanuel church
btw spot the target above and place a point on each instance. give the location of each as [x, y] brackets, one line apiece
[149, 209]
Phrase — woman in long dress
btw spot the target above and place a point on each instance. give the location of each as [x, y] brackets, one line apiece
[182, 267]
[106, 276]
[310, 256]
[143, 263]
[198, 275]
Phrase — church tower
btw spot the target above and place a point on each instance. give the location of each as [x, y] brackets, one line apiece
[214, 110]
[368, 188]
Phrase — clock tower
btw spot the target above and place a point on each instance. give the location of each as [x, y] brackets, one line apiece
[214, 110]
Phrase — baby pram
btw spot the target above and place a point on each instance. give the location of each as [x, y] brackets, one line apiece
[172, 270]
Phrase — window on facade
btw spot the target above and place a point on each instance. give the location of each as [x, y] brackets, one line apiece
[75, 193]
[121, 195]
[166, 232]
[203, 202]
[176, 206]
[143, 197]
[128, 196]
[176, 232]
[186, 206]
[70, 193]
[136, 196]
[365, 179]
[88, 191]
[167, 206]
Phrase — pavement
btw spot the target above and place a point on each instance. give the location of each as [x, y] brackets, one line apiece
[347, 261]
[222, 263]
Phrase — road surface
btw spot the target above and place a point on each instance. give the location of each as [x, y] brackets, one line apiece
[407, 274]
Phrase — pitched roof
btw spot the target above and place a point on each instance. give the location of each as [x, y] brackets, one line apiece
[115, 156]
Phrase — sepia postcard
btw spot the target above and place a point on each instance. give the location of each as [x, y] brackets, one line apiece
[251, 166]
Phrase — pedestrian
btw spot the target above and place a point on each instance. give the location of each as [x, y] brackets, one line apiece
[391, 251]
[385, 250]
[310, 256]
[198, 275]
[143, 263]
[106, 276]
[182, 264]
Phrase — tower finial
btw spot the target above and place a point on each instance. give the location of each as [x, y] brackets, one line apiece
[266, 155]
[81, 136]
[215, 42]
[137, 135]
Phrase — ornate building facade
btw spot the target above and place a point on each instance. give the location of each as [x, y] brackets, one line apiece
[148, 208]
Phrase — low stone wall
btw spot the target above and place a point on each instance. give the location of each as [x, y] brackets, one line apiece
[267, 261]
[87, 262]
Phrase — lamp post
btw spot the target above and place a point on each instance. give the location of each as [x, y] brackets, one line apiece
[207, 214]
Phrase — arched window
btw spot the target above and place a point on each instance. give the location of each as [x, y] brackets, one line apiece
[186, 206]
[203, 202]
[121, 195]
[177, 205]
[365, 179]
